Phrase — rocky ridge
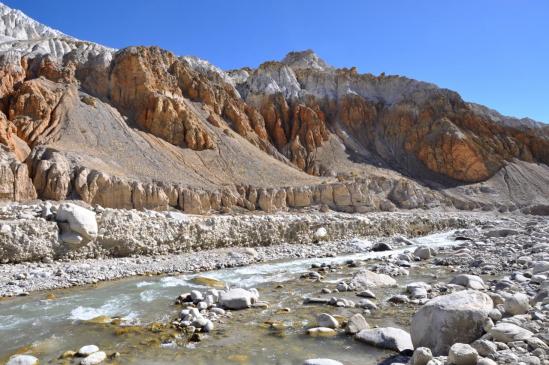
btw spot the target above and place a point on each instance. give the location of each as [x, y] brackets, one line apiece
[288, 134]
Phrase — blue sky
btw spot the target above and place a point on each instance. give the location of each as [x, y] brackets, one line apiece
[494, 52]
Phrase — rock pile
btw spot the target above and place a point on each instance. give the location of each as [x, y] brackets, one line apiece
[202, 309]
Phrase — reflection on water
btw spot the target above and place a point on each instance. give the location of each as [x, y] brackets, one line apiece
[54, 326]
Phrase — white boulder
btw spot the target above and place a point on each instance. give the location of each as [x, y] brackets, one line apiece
[445, 320]
[321, 234]
[237, 298]
[81, 220]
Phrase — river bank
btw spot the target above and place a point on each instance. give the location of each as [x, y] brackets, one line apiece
[132, 243]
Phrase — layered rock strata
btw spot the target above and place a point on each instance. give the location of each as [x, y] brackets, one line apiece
[143, 128]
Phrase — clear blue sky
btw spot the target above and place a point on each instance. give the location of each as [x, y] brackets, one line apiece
[494, 52]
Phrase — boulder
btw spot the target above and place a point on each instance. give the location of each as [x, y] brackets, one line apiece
[484, 347]
[517, 303]
[423, 252]
[462, 354]
[421, 356]
[326, 320]
[321, 234]
[418, 290]
[390, 338]
[237, 298]
[381, 246]
[445, 320]
[356, 323]
[81, 220]
[468, 281]
[508, 332]
[369, 279]
[22, 360]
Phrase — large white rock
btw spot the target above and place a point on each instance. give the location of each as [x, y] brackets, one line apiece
[468, 281]
[509, 332]
[80, 220]
[386, 338]
[237, 298]
[369, 279]
[445, 320]
[22, 360]
[462, 354]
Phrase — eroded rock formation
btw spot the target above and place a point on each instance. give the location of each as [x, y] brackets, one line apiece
[144, 128]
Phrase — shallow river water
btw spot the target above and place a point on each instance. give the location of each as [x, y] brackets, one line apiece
[46, 327]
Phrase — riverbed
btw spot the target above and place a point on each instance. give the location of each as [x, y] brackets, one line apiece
[135, 314]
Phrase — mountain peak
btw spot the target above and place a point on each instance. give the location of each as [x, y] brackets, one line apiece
[15, 25]
[305, 59]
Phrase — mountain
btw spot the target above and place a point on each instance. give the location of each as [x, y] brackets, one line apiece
[141, 127]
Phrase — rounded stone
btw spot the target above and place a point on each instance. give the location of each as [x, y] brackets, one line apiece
[462, 354]
[87, 350]
[22, 360]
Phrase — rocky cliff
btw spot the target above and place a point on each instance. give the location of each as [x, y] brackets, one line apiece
[143, 128]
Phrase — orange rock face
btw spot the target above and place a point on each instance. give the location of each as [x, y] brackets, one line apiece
[142, 87]
[35, 111]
